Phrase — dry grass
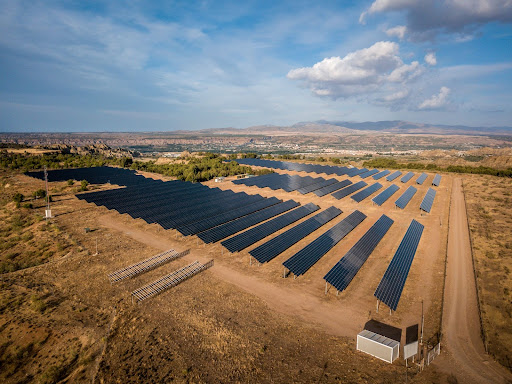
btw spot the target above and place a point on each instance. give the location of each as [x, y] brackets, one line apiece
[489, 202]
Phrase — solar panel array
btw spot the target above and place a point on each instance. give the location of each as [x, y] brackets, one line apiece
[255, 234]
[393, 176]
[94, 175]
[230, 228]
[191, 208]
[275, 181]
[428, 200]
[269, 250]
[368, 173]
[421, 179]
[437, 180]
[302, 167]
[408, 176]
[380, 175]
[406, 197]
[382, 197]
[331, 188]
[303, 260]
[361, 195]
[348, 190]
[314, 187]
[344, 271]
[391, 286]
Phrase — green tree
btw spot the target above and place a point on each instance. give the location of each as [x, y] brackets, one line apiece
[18, 198]
[39, 193]
[83, 185]
[126, 162]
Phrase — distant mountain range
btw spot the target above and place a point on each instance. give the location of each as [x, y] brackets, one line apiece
[368, 127]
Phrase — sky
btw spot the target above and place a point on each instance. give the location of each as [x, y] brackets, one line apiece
[170, 65]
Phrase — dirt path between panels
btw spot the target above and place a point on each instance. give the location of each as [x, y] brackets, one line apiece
[333, 319]
[465, 357]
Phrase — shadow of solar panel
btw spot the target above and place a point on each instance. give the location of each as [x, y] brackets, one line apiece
[428, 200]
[368, 173]
[255, 234]
[408, 176]
[421, 179]
[382, 197]
[344, 271]
[348, 190]
[269, 250]
[308, 256]
[314, 187]
[437, 180]
[224, 230]
[393, 176]
[406, 197]
[361, 195]
[380, 175]
[391, 286]
[331, 188]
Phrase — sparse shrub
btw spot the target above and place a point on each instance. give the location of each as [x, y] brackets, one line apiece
[38, 305]
[71, 182]
[18, 198]
[39, 193]
[28, 205]
[83, 185]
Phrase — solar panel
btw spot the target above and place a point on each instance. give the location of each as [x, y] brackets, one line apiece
[227, 229]
[428, 200]
[331, 188]
[393, 176]
[406, 197]
[285, 240]
[408, 176]
[315, 186]
[385, 194]
[344, 271]
[301, 167]
[354, 171]
[391, 286]
[421, 179]
[368, 174]
[437, 180]
[255, 234]
[348, 190]
[303, 260]
[380, 175]
[360, 196]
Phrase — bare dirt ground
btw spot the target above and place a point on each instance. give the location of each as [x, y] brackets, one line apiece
[232, 323]
[461, 323]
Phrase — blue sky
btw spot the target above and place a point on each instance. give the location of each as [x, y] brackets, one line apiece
[169, 65]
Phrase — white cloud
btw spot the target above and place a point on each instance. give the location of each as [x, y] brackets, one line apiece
[436, 101]
[398, 31]
[430, 58]
[396, 96]
[426, 19]
[361, 72]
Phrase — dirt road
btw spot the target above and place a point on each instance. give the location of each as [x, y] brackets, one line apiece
[466, 356]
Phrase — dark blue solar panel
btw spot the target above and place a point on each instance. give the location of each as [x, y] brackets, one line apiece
[437, 180]
[428, 200]
[348, 190]
[354, 171]
[406, 197]
[282, 242]
[299, 167]
[408, 176]
[255, 234]
[331, 188]
[368, 174]
[227, 229]
[300, 263]
[344, 271]
[380, 175]
[360, 196]
[392, 284]
[421, 179]
[385, 194]
[393, 176]
[314, 187]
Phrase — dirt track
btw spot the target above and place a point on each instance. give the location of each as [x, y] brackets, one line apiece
[461, 325]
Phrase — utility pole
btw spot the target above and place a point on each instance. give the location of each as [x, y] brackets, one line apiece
[48, 213]
[422, 322]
